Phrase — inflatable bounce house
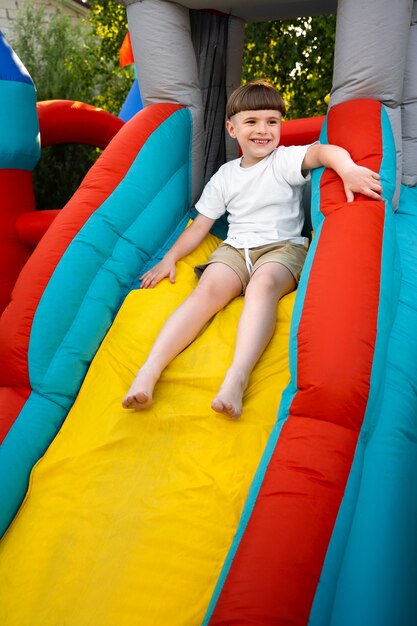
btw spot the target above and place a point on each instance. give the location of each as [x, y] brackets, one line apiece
[303, 511]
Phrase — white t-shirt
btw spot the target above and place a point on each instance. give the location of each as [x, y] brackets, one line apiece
[264, 201]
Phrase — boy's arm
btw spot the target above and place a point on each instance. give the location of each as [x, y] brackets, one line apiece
[186, 243]
[356, 179]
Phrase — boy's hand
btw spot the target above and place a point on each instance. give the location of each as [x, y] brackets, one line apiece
[159, 271]
[358, 179]
[189, 239]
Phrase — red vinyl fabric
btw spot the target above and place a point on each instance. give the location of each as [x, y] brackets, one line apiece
[69, 121]
[302, 131]
[16, 198]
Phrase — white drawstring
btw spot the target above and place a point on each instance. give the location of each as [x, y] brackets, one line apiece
[248, 262]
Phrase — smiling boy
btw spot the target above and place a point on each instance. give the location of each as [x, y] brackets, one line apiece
[264, 251]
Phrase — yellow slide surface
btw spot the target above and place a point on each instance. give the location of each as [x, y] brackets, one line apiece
[129, 515]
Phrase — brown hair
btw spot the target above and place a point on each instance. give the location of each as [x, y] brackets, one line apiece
[256, 96]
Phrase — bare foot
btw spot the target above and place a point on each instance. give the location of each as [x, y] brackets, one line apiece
[139, 395]
[229, 399]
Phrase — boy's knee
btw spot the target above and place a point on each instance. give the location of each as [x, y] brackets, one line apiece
[208, 290]
[263, 283]
[271, 281]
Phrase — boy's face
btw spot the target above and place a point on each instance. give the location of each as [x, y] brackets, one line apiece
[257, 132]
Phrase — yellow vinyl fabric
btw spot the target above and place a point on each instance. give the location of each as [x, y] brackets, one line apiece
[129, 515]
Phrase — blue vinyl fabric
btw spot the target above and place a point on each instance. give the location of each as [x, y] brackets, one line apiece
[132, 104]
[11, 67]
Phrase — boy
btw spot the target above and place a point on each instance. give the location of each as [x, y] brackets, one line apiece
[264, 252]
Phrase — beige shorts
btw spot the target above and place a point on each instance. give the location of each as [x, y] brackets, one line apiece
[291, 255]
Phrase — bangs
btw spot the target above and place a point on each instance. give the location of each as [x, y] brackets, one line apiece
[256, 96]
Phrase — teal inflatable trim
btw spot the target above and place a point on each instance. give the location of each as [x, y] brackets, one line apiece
[19, 126]
[317, 219]
[22, 449]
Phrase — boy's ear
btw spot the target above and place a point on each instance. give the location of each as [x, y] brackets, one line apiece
[230, 129]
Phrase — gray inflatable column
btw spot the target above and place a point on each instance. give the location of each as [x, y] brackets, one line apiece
[218, 43]
[235, 45]
[371, 46]
[166, 66]
[409, 108]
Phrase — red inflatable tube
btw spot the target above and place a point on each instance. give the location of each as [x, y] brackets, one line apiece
[68, 121]
[31, 226]
[16, 198]
[302, 131]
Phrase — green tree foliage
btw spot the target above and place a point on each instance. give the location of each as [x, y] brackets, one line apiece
[44, 47]
[77, 60]
[107, 22]
[74, 60]
[297, 56]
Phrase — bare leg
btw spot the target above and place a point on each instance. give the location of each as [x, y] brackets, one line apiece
[218, 285]
[256, 327]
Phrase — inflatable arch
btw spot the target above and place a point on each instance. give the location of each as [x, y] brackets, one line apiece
[303, 511]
